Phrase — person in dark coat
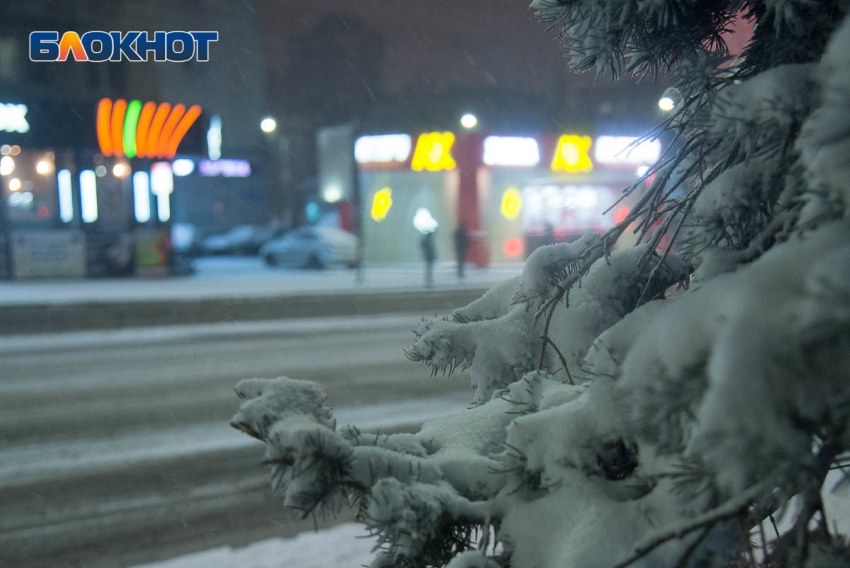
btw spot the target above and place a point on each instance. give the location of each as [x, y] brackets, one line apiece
[461, 246]
[430, 254]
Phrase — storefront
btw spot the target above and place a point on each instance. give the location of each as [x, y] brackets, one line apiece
[510, 193]
[92, 190]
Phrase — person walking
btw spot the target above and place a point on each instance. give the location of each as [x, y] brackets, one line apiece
[461, 246]
[430, 254]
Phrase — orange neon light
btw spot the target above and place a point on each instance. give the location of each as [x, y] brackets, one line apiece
[70, 42]
[104, 111]
[118, 111]
[142, 131]
[168, 129]
[182, 128]
[158, 128]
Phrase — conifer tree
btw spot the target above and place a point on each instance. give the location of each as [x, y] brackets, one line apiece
[642, 407]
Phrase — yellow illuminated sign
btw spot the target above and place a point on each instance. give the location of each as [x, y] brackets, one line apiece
[433, 152]
[511, 203]
[572, 154]
[381, 204]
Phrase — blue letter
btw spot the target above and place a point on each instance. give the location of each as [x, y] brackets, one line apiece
[203, 40]
[44, 46]
[123, 46]
[188, 49]
[144, 45]
[89, 39]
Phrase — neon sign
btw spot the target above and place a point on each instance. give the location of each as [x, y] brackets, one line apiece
[143, 131]
[13, 118]
[511, 203]
[433, 152]
[224, 168]
[627, 150]
[572, 154]
[511, 151]
[381, 204]
[383, 149]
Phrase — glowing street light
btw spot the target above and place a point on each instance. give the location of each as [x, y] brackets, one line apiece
[119, 170]
[268, 125]
[468, 120]
[669, 100]
[666, 104]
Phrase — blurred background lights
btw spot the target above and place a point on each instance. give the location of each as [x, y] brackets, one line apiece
[43, 167]
[332, 193]
[183, 167]
[120, 170]
[100, 171]
[268, 124]
[511, 203]
[381, 204]
[7, 165]
[14, 184]
[670, 99]
[468, 120]
[513, 248]
[424, 221]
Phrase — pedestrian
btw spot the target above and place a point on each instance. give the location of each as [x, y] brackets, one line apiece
[461, 246]
[430, 254]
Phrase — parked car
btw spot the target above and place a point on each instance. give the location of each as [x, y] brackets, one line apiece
[242, 239]
[312, 247]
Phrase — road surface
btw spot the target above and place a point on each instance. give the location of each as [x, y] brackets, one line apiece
[115, 448]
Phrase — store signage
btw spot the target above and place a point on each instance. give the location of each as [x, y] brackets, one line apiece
[224, 168]
[572, 154]
[433, 152]
[383, 149]
[100, 46]
[511, 203]
[511, 151]
[381, 204]
[13, 118]
[626, 150]
[137, 130]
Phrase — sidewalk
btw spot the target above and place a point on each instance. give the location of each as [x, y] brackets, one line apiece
[236, 290]
[247, 277]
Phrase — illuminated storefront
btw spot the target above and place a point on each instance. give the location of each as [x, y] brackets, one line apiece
[91, 190]
[511, 193]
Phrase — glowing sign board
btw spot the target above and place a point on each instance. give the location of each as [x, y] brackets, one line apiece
[433, 152]
[13, 118]
[511, 151]
[142, 130]
[629, 150]
[381, 204]
[383, 149]
[572, 154]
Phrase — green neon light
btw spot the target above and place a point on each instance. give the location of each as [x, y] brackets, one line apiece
[131, 122]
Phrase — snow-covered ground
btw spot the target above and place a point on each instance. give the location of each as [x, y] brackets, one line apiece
[228, 277]
[343, 546]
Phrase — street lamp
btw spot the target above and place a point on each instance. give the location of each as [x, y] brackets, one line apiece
[468, 120]
[669, 100]
[268, 125]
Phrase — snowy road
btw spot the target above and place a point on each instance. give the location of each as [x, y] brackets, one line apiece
[115, 449]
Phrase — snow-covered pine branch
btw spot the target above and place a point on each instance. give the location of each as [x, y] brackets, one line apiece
[613, 424]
